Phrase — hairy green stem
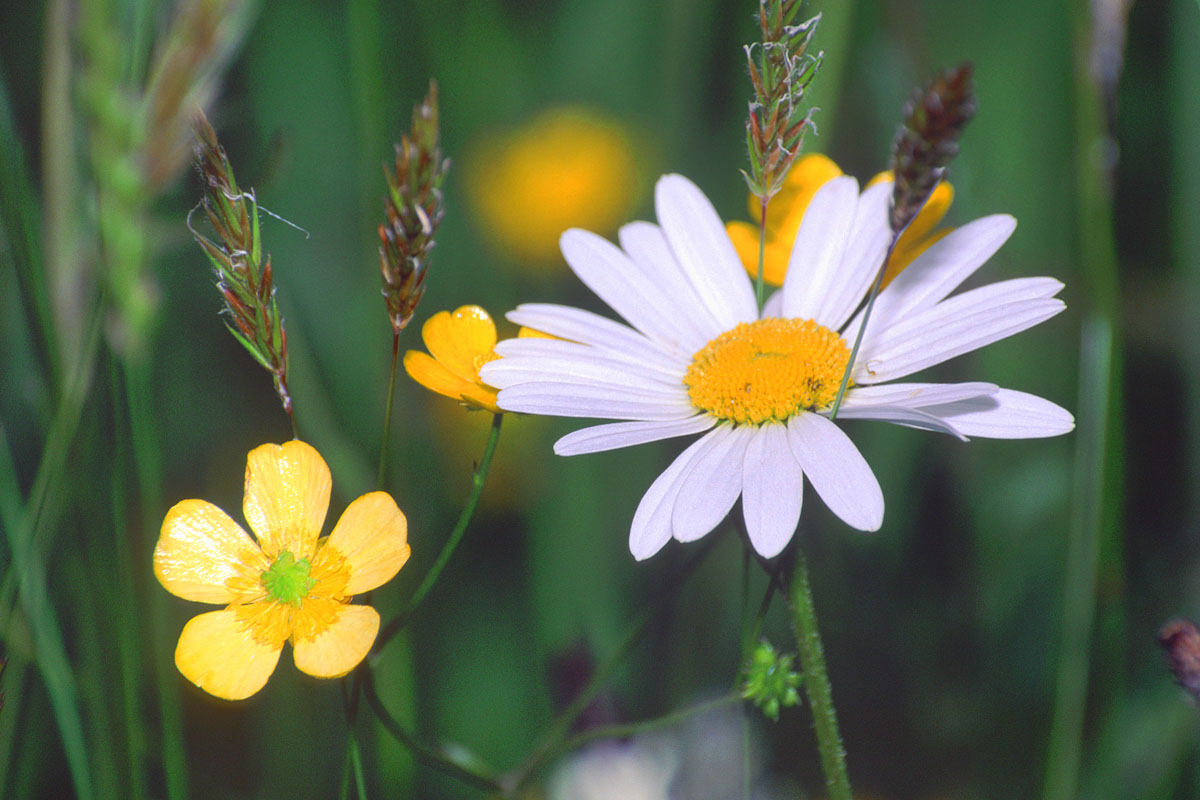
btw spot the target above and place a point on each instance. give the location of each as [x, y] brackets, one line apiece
[816, 681]
[478, 480]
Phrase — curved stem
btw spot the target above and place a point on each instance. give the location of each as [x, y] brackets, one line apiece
[816, 682]
[628, 729]
[424, 753]
[478, 479]
[561, 725]
[387, 412]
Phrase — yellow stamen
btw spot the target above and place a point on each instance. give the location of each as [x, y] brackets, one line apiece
[480, 359]
[767, 371]
[269, 621]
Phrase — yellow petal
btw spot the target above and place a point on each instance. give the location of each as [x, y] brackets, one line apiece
[339, 647]
[929, 216]
[200, 549]
[287, 495]
[462, 341]
[372, 537]
[775, 255]
[533, 333]
[434, 376]
[919, 235]
[808, 174]
[220, 655]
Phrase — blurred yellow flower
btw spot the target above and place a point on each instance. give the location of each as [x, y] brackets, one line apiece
[460, 343]
[786, 210]
[290, 585]
[566, 168]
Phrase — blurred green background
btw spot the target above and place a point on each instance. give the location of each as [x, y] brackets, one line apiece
[996, 639]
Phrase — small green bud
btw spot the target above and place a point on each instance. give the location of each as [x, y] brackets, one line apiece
[287, 580]
[770, 681]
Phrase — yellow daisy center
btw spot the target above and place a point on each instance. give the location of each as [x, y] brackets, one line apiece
[767, 371]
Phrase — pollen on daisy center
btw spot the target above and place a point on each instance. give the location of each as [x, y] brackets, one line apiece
[767, 371]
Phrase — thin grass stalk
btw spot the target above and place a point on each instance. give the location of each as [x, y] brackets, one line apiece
[381, 475]
[148, 472]
[42, 503]
[21, 221]
[1095, 510]
[121, 594]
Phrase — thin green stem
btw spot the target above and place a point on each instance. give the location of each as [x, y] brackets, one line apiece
[561, 725]
[816, 681]
[633, 728]
[454, 766]
[148, 468]
[478, 480]
[387, 412]
[759, 289]
[48, 641]
[353, 769]
[875, 287]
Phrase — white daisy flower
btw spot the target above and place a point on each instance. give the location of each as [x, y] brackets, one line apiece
[696, 357]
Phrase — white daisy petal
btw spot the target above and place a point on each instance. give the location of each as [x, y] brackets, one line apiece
[915, 395]
[616, 280]
[615, 435]
[597, 402]
[713, 484]
[865, 250]
[773, 307]
[651, 526]
[837, 471]
[577, 325]
[698, 239]
[820, 244]
[772, 490]
[511, 370]
[937, 272]
[1007, 414]
[648, 248]
[902, 415]
[959, 325]
[537, 347]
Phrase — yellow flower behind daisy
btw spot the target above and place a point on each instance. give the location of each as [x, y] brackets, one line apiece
[786, 211]
[288, 586]
[568, 167]
[459, 343]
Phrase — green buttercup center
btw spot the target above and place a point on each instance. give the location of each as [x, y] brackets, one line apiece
[767, 371]
[287, 580]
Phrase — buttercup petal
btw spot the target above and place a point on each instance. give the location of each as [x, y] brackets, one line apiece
[287, 495]
[200, 549]
[339, 647]
[218, 653]
[372, 536]
[434, 375]
[460, 340]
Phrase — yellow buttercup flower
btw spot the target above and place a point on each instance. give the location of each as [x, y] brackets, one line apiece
[460, 343]
[569, 167]
[786, 211]
[289, 585]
